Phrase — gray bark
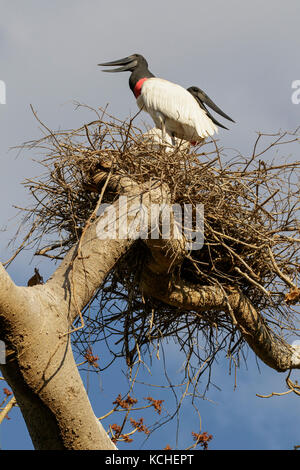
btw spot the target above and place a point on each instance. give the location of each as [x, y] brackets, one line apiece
[34, 323]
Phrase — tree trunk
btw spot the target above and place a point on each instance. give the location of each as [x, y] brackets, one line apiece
[35, 323]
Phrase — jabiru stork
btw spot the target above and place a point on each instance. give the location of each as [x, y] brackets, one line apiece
[178, 112]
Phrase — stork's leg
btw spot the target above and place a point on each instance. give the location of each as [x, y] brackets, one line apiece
[162, 126]
[166, 137]
[163, 130]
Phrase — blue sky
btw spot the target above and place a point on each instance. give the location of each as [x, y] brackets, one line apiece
[245, 56]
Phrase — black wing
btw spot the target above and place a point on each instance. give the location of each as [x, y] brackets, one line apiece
[203, 100]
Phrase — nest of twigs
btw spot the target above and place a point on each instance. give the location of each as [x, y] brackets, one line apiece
[251, 231]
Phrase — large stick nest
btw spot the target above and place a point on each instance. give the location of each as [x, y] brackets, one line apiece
[251, 230]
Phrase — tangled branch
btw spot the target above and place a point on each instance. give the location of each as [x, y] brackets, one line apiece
[251, 237]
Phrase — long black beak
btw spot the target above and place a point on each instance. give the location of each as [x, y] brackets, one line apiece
[128, 63]
[202, 98]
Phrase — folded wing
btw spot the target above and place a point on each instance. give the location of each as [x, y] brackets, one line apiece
[182, 115]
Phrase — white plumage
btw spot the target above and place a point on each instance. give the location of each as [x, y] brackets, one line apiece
[155, 140]
[174, 110]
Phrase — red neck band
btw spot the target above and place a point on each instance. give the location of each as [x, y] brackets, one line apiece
[138, 87]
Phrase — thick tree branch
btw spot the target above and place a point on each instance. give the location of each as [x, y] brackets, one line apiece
[9, 292]
[159, 281]
[86, 266]
[271, 349]
[34, 322]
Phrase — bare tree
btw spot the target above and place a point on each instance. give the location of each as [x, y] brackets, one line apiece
[239, 288]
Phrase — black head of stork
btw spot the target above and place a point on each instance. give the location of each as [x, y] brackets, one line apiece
[136, 64]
